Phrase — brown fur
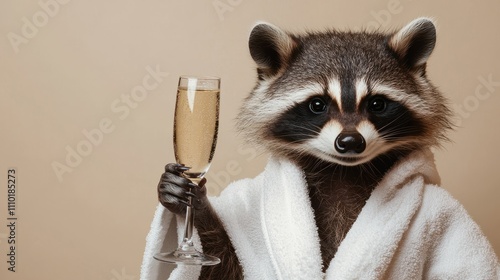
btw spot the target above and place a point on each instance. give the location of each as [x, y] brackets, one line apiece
[338, 194]
[216, 242]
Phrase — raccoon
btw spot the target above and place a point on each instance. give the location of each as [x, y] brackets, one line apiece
[344, 107]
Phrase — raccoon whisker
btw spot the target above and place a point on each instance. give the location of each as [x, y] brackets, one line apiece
[326, 166]
[406, 146]
[301, 135]
[392, 137]
[296, 152]
[369, 169]
[399, 141]
[396, 132]
[314, 129]
[401, 128]
[392, 121]
[293, 143]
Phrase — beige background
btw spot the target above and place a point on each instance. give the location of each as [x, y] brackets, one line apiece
[77, 66]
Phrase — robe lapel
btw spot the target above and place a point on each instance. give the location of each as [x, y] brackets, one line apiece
[288, 225]
[369, 246]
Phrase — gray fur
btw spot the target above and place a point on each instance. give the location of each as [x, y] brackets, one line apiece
[316, 57]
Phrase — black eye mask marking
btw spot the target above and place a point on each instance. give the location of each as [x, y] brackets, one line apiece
[392, 119]
[303, 121]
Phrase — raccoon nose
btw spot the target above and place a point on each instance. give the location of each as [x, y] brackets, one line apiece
[350, 142]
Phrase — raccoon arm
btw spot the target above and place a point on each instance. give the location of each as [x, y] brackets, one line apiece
[216, 242]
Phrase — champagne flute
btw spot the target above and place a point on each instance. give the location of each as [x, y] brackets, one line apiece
[196, 123]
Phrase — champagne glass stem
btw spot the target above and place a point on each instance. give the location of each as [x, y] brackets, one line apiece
[188, 225]
[186, 247]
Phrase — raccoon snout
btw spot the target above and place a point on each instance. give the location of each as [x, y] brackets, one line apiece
[350, 142]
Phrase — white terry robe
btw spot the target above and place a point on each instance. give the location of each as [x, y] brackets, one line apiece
[408, 229]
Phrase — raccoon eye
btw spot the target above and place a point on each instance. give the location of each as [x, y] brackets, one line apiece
[317, 105]
[377, 105]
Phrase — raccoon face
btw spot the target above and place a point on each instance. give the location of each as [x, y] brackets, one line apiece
[343, 97]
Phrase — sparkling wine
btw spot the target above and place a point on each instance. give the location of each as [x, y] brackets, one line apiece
[195, 129]
[196, 123]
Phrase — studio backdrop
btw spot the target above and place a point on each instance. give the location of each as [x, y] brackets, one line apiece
[87, 98]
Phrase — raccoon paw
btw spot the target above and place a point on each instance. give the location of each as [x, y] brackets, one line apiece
[174, 190]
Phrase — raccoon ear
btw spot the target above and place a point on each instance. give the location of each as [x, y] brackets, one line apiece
[270, 47]
[415, 42]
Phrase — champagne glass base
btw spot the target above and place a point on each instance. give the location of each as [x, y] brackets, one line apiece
[191, 257]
